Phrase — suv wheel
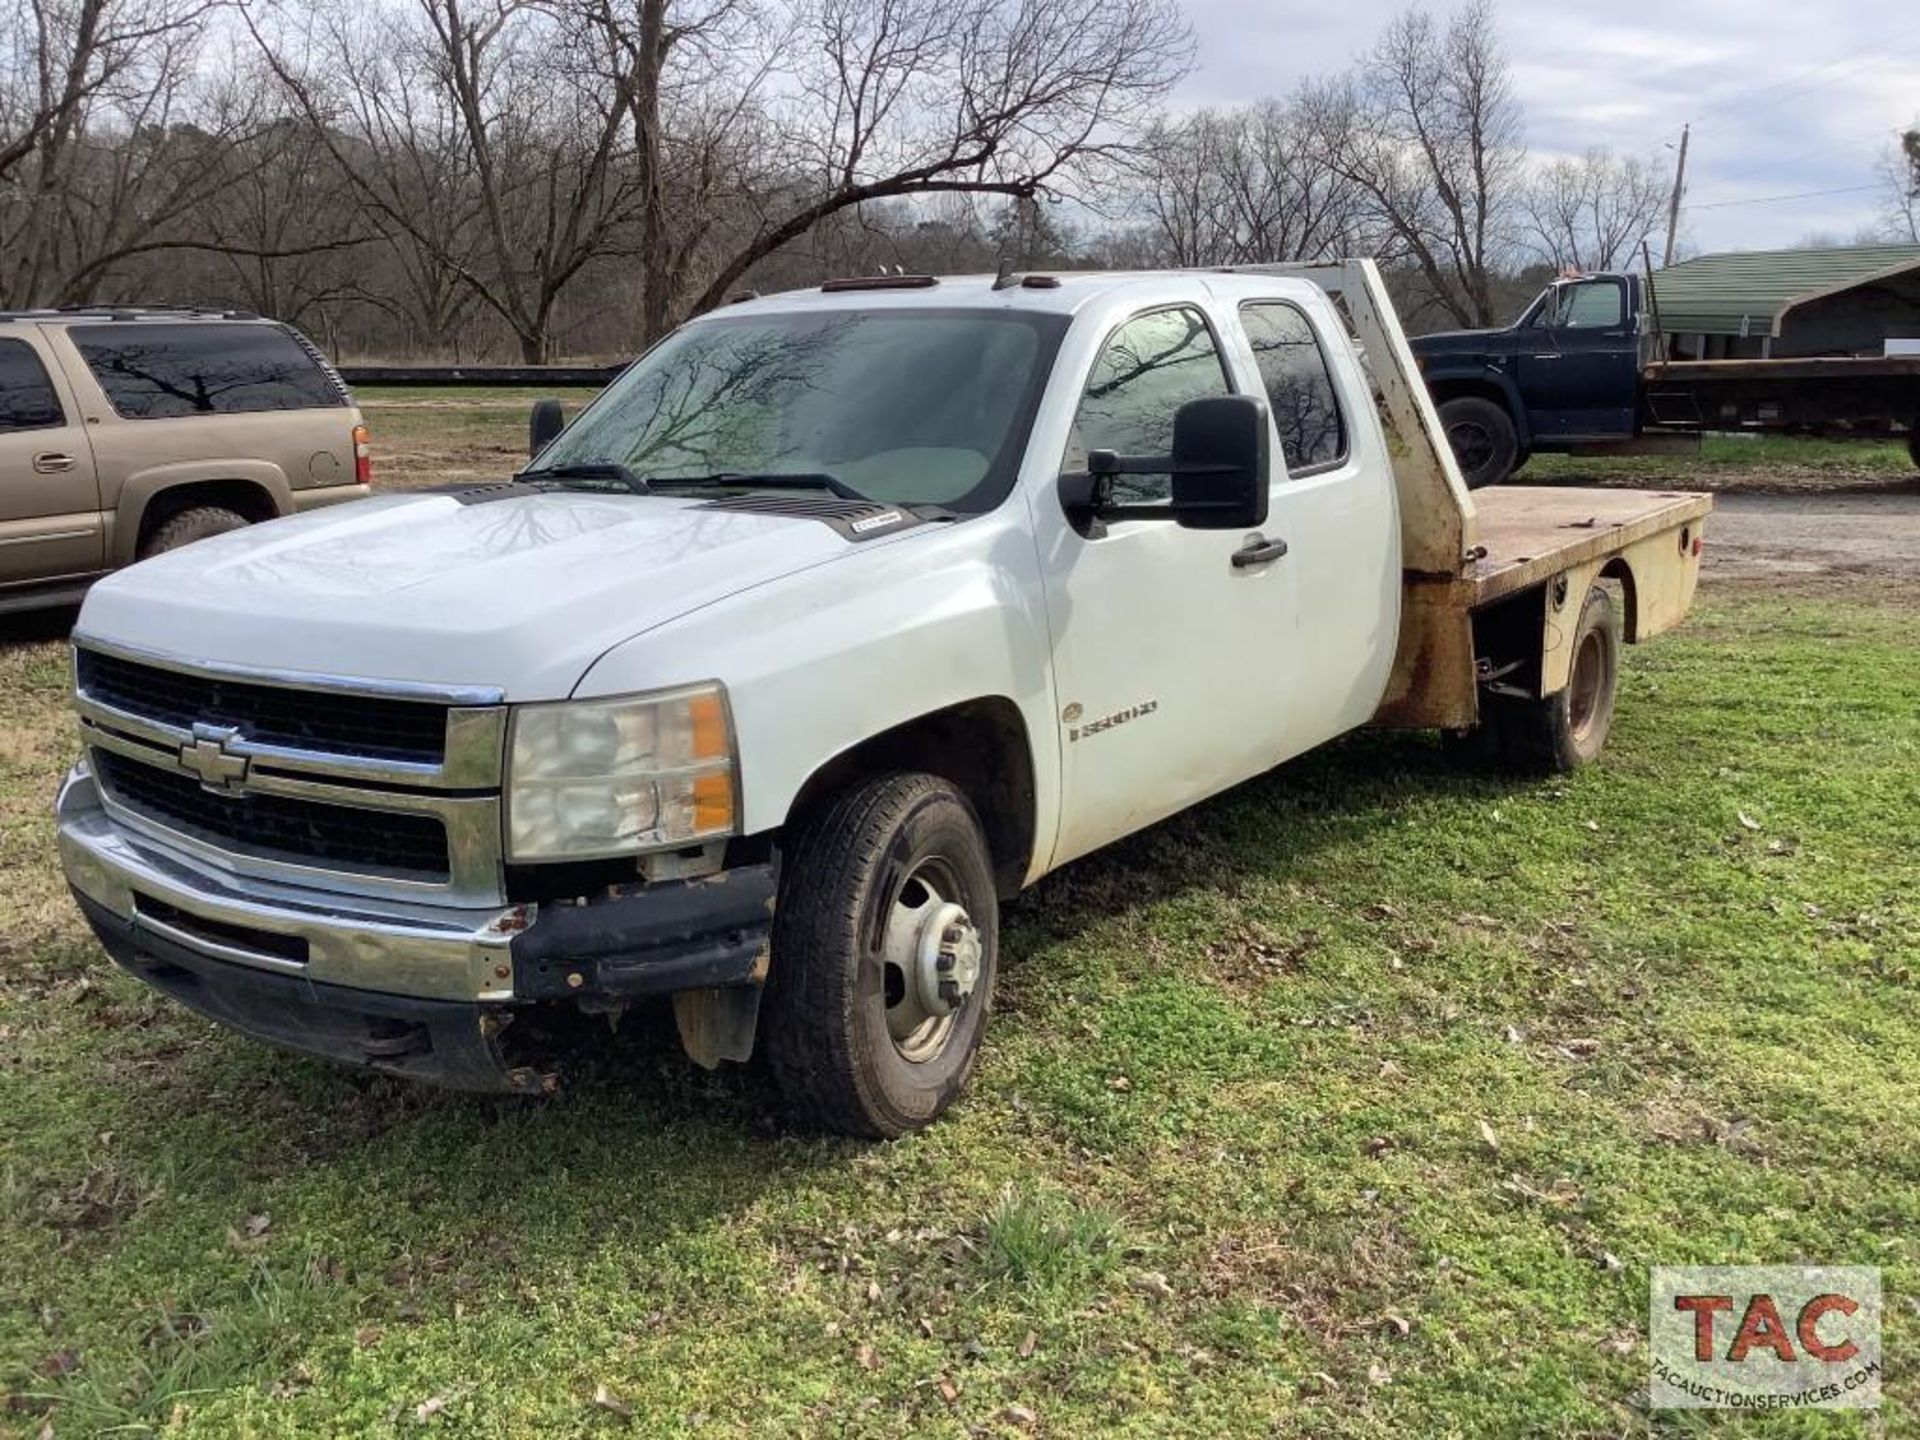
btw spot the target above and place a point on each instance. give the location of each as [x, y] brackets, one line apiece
[885, 943]
[191, 525]
[1483, 439]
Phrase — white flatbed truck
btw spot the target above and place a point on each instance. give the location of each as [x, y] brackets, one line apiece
[841, 617]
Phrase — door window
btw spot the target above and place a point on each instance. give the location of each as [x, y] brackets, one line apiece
[1587, 305]
[156, 371]
[27, 401]
[1299, 384]
[1150, 367]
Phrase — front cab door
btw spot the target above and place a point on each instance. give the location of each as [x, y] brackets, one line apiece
[1159, 637]
[1579, 361]
[50, 523]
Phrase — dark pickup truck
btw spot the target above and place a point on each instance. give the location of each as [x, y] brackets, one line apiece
[1584, 370]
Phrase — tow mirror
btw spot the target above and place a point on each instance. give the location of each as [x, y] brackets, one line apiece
[1220, 463]
[546, 422]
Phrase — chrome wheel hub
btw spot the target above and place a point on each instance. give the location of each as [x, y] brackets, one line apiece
[932, 955]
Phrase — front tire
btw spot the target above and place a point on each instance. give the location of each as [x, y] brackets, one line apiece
[1483, 439]
[885, 945]
[1569, 728]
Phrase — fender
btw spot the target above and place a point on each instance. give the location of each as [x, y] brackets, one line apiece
[809, 676]
[140, 488]
[1478, 372]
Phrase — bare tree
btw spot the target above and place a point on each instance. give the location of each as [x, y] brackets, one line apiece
[873, 100]
[1429, 130]
[1593, 212]
[486, 94]
[1900, 205]
[1239, 186]
[103, 143]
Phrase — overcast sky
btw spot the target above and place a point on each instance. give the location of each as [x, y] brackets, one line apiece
[1785, 96]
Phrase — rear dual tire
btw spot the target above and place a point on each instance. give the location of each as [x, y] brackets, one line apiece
[1567, 729]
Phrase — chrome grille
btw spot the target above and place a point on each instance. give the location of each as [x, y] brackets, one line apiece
[357, 787]
[326, 722]
[280, 827]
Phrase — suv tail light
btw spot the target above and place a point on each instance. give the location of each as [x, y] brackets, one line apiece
[362, 456]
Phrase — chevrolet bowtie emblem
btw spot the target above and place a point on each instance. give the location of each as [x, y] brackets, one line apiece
[207, 756]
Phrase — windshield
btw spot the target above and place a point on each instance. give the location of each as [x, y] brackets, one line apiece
[910, 407]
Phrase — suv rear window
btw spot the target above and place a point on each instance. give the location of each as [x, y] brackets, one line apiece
[153, 372]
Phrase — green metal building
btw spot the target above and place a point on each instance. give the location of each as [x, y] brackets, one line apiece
[1760, 304]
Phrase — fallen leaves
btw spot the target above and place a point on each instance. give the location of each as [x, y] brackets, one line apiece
[1492, 1140]
[605, 1399]
[1153, 1285]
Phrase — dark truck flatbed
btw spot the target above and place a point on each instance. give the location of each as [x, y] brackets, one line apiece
[1580, 372]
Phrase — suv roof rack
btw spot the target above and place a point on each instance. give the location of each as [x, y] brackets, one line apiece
[130, 312]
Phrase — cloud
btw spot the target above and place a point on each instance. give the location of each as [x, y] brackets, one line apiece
[1786, 98]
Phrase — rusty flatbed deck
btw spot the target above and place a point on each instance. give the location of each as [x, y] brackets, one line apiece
[1530, 533]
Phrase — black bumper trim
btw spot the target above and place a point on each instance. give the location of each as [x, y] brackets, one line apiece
[444, 1042]
[674, 935]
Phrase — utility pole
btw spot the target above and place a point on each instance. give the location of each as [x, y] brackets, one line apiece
[1679, 188]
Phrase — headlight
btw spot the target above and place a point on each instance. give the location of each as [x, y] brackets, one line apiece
[593, 778]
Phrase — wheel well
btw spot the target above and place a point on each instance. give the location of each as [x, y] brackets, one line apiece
[1445, 390]
[1618, 569]
[1507, 635]
[980, 747]
[243, 497]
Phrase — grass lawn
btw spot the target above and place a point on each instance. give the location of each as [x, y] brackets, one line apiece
[1356, 1102]
[442, 435]
[1750, 462]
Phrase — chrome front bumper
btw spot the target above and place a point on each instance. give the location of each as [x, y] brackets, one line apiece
[396, 948]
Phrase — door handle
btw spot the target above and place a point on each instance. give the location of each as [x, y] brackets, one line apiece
[1258, 551]
[51, 463]
[1554, 356]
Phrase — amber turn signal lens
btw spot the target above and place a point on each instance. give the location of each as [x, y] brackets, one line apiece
[709, 724]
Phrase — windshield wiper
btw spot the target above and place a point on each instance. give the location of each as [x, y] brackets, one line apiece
[589, 470]
[764, 481]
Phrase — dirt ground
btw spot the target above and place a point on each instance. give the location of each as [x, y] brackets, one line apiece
[1820, 537]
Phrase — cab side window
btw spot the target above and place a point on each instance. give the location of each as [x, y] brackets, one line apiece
[1586, 305]
[1149, 368]
[1299, 384]
[27, 401]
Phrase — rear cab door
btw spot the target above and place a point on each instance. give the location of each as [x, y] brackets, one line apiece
[1332, 502]
[51, 527]
[1579, 362]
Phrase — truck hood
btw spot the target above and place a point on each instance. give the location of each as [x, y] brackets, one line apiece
[520, 593]
[1450, 339]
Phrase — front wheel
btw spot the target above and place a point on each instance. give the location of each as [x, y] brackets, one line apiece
[1483, 439]
[885, 943]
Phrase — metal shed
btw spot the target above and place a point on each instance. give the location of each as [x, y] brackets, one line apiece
[1759, 304]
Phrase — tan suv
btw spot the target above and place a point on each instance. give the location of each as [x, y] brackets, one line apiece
[128, 432]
